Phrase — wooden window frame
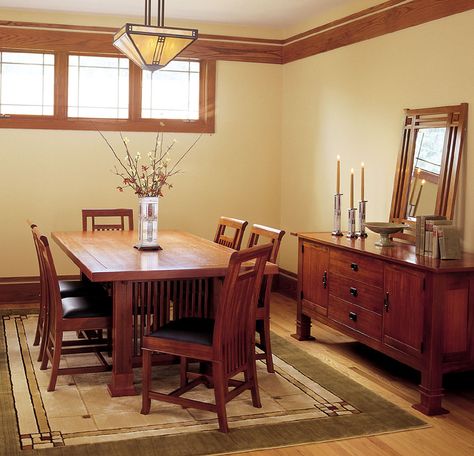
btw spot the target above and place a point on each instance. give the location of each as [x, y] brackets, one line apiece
[134, 122]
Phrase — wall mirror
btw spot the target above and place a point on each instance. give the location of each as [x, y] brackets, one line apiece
[426, 178]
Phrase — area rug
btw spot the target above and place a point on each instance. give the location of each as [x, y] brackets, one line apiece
[305, 401]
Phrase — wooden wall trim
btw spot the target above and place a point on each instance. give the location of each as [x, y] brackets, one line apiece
[344, 20]
[22, 290]
[285, 283]
[387, 17]
[38, 38]
[393, 19]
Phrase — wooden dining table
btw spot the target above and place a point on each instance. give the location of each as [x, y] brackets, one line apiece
[149, 288]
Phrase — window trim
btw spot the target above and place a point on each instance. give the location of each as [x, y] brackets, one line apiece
[134, 122]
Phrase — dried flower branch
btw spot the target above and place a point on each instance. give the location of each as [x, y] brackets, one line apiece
[147, 176]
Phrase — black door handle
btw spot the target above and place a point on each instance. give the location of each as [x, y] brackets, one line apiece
[386, 302]
[354, 267]
[352, 316]
[353, 291]
[325, 279]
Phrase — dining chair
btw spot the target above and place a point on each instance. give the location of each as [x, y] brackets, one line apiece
[67, 288]
[78, 313]
[264, 234]
[226, 342]
[233, 240]
[118, 224]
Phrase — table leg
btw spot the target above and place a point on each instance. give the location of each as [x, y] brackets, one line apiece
[122, 371]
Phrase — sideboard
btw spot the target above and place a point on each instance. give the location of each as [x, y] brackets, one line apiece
[418, 310]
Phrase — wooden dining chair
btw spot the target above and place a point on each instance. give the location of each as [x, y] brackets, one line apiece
[226, 342]
[120, 217]
[236, 226]
[79, 313]
[265, 234]
[67, 288]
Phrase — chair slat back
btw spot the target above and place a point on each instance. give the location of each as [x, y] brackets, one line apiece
[267, 234]
[42, 273]
[120, 216]
[234, 240]
[234, 331]
[53, 294]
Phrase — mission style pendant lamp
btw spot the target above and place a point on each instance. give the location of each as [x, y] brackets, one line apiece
[153, 47]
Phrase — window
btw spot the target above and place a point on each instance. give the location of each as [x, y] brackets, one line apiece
[98, 87]
[171, 93]
[68, 90]
[26, 83]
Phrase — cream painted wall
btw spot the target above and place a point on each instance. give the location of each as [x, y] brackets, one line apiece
[272, 159]
[350, 102]
[49, 176]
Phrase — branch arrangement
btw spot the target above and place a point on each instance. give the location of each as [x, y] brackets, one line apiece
[150, 176]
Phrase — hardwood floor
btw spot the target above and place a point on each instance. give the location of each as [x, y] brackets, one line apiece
[451, 434]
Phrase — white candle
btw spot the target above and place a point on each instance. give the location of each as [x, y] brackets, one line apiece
[338, 175]
[362, 181]
[352, 188]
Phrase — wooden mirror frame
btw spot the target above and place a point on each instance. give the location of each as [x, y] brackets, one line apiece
[454, 118]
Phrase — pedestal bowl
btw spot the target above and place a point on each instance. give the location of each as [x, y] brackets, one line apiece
[384, 229]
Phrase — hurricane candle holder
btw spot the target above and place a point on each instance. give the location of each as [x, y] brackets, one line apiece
[362, 211]
[337, 215]
[351, 228]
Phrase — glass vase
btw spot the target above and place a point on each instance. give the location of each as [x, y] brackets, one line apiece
[148, 223]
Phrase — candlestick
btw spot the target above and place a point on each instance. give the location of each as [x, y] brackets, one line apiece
[417, 175]
[352, 189]
[351, 231]
[362, 211]
[338, 175]
[337, 215]
[418, 197]
[362, 181]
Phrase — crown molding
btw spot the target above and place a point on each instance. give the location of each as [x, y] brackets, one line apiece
[387, 17]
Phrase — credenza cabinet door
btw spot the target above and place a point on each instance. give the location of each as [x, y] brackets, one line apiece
[314, 274]
[403, 313]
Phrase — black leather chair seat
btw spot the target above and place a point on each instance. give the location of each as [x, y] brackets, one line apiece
[193, 330]
[86, 307]
[69, 288]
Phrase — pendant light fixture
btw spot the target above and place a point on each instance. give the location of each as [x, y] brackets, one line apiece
[153, 47]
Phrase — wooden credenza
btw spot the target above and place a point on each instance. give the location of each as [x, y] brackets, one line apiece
[416, 309]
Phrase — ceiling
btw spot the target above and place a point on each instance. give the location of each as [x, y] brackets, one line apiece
[265, 13]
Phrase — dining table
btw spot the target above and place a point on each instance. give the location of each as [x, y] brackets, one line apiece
[148, 288]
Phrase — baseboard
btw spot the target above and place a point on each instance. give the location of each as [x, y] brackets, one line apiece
[26, 290]
[285, 283]
[21, 290]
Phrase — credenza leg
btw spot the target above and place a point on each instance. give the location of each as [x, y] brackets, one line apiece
[431, 395]
[303, 328]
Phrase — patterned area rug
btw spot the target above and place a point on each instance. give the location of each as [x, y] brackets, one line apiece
[304, 401]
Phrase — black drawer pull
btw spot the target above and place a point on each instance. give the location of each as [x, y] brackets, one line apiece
[353, 291]
[354, 267]
[352, 316]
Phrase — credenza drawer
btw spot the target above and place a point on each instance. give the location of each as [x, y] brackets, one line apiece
[358, 267]
[348, 289]
[355, 317]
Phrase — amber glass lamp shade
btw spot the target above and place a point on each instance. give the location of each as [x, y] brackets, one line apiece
[152, 47]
